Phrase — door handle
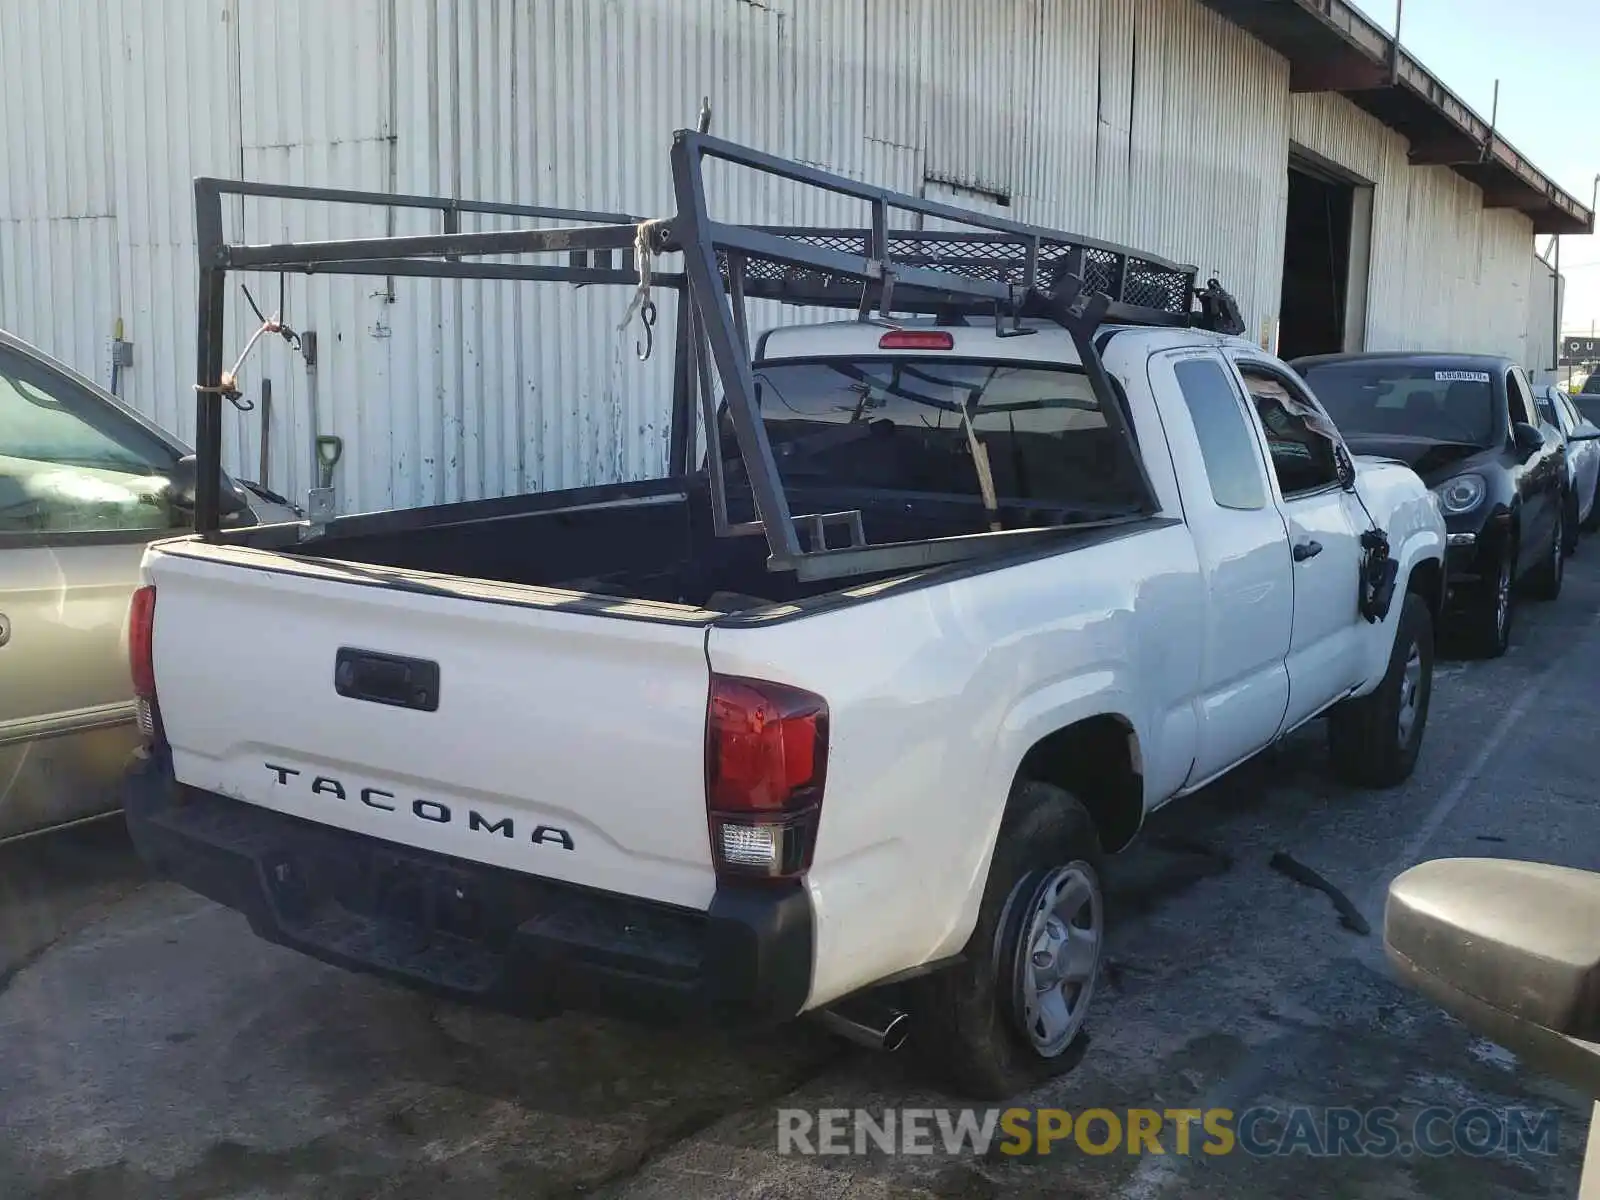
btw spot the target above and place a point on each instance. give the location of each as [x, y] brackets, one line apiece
[386, 679]
[1305, 550]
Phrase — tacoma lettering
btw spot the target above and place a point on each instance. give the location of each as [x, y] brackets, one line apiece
[549, 834]
[369, 797]
[503, 825]
[432, 811]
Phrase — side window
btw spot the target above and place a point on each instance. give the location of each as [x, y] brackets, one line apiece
[70, 463]
[1520, 400]
[1300, 438]
[1232, 457]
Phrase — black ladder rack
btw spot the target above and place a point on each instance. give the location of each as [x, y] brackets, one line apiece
[890, 267]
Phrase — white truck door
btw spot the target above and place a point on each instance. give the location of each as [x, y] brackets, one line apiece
[1324, 522]
[1239, 537]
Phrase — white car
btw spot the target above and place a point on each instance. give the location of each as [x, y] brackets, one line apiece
[1583, 458]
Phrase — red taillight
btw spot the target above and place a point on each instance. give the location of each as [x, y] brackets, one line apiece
[917, 339]
[142, 662]
[141, 642]
[766, 762]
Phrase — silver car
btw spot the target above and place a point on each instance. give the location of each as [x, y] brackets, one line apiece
[1583, 458]
[85, 483]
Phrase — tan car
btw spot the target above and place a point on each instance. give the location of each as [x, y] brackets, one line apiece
[85, 483]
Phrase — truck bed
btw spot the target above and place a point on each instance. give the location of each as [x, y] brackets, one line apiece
[649, 541]
[420, 678]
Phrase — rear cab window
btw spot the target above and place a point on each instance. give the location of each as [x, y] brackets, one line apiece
[1228, 445]
[916, 426]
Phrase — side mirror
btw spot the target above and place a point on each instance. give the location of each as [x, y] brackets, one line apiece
[181, 490]
[1584, 433]
[1528, 438]
[1511, 948]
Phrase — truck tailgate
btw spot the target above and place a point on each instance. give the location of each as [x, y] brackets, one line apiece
[565, 738]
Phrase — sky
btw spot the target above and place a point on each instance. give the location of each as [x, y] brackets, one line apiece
[1546, 54]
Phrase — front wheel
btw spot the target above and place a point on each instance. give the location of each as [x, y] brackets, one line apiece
[1545, 581]
[1011, 1013]
[1374, 741]
[1486, 622]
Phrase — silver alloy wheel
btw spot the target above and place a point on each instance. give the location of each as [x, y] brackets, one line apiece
[1502, 596]
[1058, 956]
[1410, 693]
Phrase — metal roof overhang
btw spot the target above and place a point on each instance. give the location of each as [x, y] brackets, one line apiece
[1333, 48]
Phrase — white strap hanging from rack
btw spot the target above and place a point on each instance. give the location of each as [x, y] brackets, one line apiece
[644, 253]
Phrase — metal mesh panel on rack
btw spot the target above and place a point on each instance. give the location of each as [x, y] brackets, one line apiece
[994, 257]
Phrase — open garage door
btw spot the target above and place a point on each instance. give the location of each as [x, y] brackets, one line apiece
[1326, 257]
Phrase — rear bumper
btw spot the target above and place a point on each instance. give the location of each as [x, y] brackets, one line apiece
[472, 932]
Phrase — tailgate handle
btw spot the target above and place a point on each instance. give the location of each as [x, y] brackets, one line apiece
[387, 679]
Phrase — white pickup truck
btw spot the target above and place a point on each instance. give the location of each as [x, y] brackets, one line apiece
[577, 751]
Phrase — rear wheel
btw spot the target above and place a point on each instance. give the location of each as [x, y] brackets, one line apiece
[1545, 581]
[1012, 1012]
[1374, 741]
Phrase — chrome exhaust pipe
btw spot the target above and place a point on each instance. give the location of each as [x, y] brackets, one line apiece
[867, 1023]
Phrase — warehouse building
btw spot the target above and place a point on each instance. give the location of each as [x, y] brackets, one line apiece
[1286, 147]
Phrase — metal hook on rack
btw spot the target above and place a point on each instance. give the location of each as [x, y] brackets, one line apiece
[647, 317]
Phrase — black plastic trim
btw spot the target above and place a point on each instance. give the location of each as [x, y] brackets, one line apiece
[525, 945]
[380, 678]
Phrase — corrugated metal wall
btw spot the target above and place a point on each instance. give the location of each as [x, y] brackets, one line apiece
[58, 191]
[1545, 297]
[1446, 272]
[171, 92]
[1149, 121]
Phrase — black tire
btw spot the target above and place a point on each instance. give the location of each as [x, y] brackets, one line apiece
[1569, 526]
[1592, 522]
[1368, 743]
[1544, 581]
[965, 1022]
[1486, 621]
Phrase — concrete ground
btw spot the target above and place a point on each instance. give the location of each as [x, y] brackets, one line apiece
[151, 1048]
